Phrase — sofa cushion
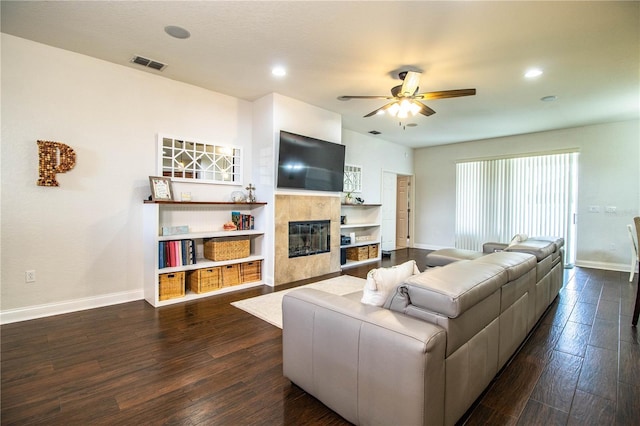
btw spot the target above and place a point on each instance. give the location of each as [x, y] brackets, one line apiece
[446, 256]
[516, 264]
[539, 248]
[381, 282]
[454, 288]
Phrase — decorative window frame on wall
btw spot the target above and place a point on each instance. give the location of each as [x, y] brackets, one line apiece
[197, 161]
[352, 178]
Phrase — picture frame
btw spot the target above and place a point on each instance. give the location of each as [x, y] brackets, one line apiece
[161, 189]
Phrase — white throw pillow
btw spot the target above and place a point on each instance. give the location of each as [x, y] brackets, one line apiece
[517, 239]
[382, 282]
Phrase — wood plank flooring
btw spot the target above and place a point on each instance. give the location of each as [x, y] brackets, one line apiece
[207, 363]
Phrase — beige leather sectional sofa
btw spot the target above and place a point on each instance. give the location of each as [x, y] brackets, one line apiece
[426, 355]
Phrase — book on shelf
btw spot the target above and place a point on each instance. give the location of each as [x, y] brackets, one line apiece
[242, 221]
[176, 253]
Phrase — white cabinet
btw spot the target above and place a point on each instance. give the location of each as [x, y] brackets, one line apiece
[361, 222]
[204, 221]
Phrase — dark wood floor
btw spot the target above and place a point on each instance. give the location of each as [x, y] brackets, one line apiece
[206, 362]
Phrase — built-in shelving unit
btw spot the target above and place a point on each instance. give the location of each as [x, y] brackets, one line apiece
[204, 221]
[362, 221]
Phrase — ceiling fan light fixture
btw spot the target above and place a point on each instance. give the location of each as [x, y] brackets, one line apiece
[394, 109]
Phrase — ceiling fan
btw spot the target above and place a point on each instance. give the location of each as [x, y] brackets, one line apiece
[405, 97]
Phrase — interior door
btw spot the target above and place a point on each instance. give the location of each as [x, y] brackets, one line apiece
[388, 231]
[402, 212]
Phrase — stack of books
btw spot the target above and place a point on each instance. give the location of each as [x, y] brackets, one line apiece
[176, 253]
[243, 222]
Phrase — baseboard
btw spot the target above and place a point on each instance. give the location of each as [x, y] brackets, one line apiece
[429, 247]
[50, 309]
[621, 267]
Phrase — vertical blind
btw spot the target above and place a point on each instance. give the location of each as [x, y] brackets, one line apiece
[498, 198]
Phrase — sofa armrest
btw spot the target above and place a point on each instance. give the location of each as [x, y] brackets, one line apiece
[492, 247]
[368, 364]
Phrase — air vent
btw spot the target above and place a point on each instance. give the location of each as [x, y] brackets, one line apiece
[149, 63]
[374, 132]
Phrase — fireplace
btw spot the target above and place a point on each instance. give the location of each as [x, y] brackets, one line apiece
[309, 237]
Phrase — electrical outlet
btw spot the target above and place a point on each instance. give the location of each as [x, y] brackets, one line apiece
[30, 276]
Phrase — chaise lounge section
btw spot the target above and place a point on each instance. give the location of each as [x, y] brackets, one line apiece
[427, 354]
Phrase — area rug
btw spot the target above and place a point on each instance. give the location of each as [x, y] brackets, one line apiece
[268, 307]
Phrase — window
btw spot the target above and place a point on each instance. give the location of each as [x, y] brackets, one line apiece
[498, 198]
[352, 178]
[199, 161]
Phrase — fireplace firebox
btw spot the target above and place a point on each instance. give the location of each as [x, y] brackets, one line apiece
[309, 238]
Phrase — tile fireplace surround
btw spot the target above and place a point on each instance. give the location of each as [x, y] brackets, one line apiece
[297, 208]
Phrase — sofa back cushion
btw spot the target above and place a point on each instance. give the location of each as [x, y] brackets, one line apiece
[539, 248]
[454, 288]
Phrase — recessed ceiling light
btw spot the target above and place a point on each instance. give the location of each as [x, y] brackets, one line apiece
[177, 32]
[533, 73]
[279, 71]
[549, 98]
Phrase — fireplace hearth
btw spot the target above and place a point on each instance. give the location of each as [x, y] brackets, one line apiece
[309, 237]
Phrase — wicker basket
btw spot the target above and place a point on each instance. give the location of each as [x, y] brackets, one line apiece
[226, 249]
[373, 251]
[171, 285]
[230, 275]
[204, 280]
[358, 253]
[251, 271]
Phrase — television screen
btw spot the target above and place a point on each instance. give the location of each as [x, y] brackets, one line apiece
[308, 163]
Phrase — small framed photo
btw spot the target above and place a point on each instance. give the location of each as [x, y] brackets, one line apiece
[161, 189]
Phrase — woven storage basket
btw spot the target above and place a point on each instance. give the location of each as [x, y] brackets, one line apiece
[226, 249]
[204, 280]
[358, 253]
[230, 275]
[251, 271]
[171, 285]
[373, 251]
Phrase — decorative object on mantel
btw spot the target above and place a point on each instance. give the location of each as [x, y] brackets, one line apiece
[48, 154]
[348, 199]
[359, 200]
[161, 189]
[238, 197]
[251, 198]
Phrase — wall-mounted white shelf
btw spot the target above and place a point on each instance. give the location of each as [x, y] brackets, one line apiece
[363, 220]
[204, 220]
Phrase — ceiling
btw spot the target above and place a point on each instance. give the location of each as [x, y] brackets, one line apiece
[589, 52]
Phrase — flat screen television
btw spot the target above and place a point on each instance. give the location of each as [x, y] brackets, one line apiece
[308, 163]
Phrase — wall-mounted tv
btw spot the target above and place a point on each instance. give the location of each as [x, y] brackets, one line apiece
[308, 163]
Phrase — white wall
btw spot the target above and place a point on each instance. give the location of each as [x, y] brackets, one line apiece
[273, 113]
[608, 176]
[375, 156]
[84, 238]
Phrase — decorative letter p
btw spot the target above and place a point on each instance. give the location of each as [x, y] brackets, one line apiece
[54, 157]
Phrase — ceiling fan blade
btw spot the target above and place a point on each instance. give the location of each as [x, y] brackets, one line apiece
[381, 109]
[424, 110]
[445, 94]
[347, 97]
[410, 83]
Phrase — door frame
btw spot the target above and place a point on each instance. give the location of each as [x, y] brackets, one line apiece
[412, 189]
